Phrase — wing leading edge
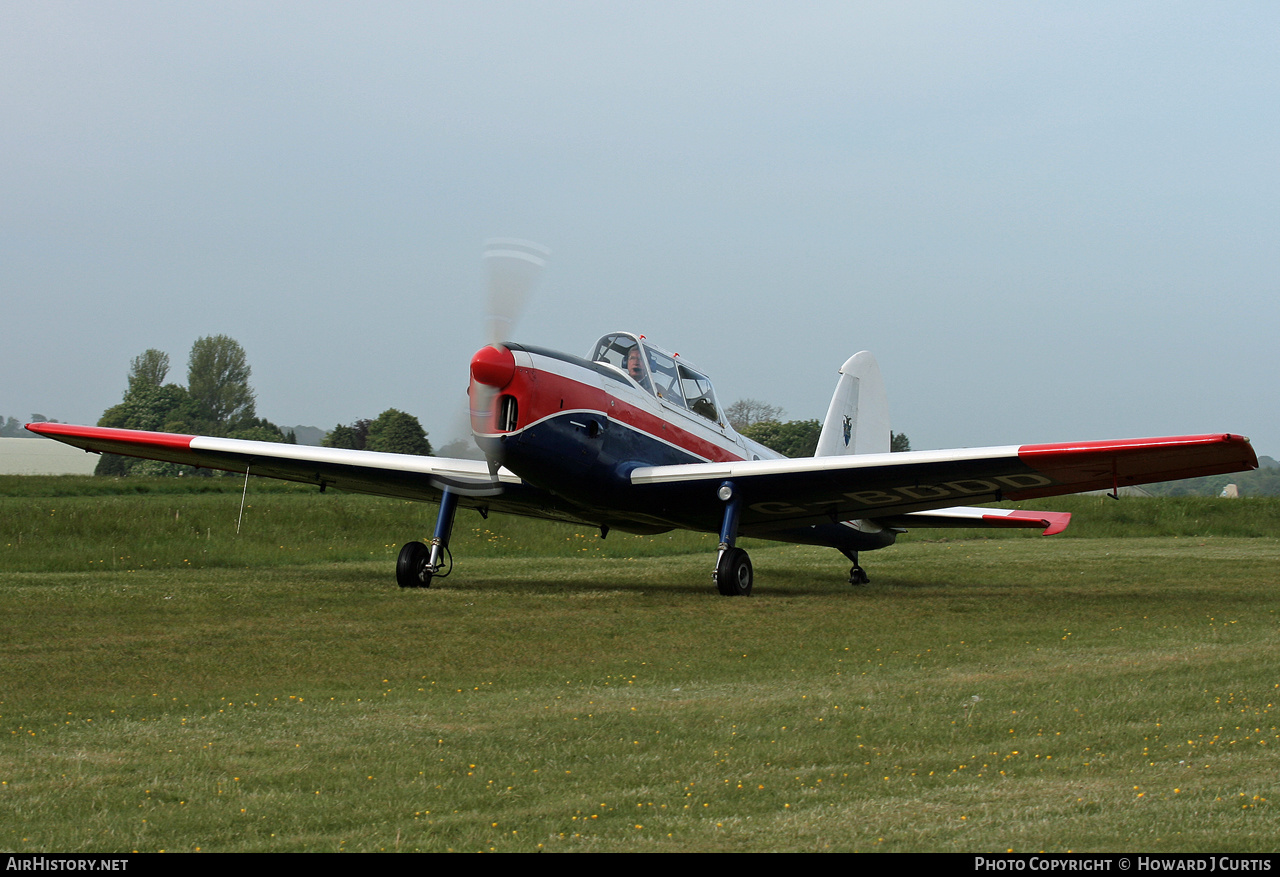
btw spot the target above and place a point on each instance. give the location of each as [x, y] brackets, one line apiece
[397, 475]
[781, 494]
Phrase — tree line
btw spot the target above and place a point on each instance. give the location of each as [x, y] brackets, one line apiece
[218, 400]
[12, 427]
[393, 432]
[762, 423]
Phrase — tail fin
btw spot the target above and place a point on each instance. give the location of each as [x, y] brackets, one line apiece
[858, 419]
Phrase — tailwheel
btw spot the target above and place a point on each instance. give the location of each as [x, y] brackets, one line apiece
[858, 576]
[413, 568]
[733, 573]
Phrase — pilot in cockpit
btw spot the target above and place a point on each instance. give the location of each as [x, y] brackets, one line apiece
[635, 368]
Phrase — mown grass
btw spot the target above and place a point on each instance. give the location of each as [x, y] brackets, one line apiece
[983, 694]
[205, 530]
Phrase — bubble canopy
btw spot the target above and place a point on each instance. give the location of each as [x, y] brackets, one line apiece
[659, 372]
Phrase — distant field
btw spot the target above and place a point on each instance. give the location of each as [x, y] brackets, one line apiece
[170, 685]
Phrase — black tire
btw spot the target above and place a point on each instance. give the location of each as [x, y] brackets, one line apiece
[858, 576]
[411, 567]
[734, 575]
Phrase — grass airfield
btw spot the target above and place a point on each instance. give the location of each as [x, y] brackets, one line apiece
[171, 685]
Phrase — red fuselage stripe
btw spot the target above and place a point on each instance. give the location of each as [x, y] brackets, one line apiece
[543, 393]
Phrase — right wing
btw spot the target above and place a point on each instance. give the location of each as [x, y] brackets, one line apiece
[785, 494]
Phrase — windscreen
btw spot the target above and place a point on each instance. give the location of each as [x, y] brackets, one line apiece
[625, 353]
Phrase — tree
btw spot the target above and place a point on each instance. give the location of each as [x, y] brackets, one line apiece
[258, 429]
[148, 369]
[463, 449]
[218, 379]
[150, 407]
[353, 436]
[746, 412]
[12, 427]
[795, 438]
[395, 432]
[799, 438]
[218, 366]
[360, 432]
[340, 437]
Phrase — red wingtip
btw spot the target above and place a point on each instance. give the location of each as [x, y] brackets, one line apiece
[85, 436]
[1053, 522]
[1106, 465]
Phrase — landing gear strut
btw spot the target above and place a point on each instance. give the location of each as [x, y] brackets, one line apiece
[857, 575]
[733, 574]
[417, 563]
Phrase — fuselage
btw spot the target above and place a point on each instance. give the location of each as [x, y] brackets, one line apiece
[577, 427]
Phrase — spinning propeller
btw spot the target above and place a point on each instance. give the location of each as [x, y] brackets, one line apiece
[513, 268]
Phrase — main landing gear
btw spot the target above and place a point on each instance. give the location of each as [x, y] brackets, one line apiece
[417, 563]
[733, 574]
[413, 567]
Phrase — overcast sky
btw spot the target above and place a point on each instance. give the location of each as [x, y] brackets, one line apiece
[1048, 221]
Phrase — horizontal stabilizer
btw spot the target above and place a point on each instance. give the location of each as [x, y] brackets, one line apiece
[969, 517]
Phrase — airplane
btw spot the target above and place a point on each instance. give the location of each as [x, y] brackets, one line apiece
[631, 437]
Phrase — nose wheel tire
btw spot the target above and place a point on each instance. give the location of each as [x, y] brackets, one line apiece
[412, 570]
[734, 576]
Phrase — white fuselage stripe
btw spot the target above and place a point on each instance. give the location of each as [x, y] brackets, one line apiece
[744, 468]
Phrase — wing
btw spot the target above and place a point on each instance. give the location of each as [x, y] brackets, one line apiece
[396, 475]
[782, 494]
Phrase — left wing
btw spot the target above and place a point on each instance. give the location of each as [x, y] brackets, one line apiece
[397, 475]
[783, 494]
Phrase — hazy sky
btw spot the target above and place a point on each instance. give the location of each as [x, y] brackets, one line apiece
[1048, 221]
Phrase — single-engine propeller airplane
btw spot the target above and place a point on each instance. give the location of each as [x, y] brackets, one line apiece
[631, 437]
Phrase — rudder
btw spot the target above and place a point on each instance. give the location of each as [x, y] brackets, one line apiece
[857, 421]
